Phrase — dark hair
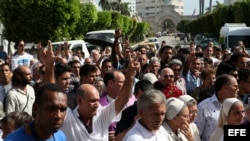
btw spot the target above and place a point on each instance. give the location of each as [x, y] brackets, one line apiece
[60, 69]
[225, 68]
[71, 63]
[17, 77]
[222, 80]
[17, 43]
[17, 119]
[244, 75]
[143, 85]
[208, 60]
[40, 95]
[110, 75]
[86, 69]
[107, 60]
[6, 64]
[235, 57]
[162, 49]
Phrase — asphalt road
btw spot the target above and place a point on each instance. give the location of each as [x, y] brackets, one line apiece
[172, 41]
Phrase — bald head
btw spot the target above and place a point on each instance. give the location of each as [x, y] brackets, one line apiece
[87, 90]
[168, 71]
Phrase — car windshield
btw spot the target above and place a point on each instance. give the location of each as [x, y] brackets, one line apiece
[152, 40]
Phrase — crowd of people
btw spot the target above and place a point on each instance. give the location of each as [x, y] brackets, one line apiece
[128, 94]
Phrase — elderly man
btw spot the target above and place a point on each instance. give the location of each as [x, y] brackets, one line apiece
[89, 121]
[151, 111]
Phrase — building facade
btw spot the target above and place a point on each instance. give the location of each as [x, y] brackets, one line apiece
[152, 7]
[229, 2]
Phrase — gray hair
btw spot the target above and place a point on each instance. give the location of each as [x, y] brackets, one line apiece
[175, 61]
[149, 98]
[154, 60]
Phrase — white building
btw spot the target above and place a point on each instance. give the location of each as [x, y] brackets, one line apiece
[131, 6]
[230, 2]
[151, 7]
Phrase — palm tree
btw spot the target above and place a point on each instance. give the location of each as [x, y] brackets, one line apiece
[105, 5]
[121, 7]
[210, 6]
[201, 4]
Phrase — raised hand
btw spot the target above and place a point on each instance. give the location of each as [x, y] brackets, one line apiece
[48, 56]
[133, 65]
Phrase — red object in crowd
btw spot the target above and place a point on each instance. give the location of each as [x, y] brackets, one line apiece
[172, 91]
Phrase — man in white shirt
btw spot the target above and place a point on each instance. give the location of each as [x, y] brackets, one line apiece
[226, 86]
[20, 57]
[151, 113]
[89, 121]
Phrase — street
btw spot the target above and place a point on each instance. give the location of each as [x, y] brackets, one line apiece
[172, 41]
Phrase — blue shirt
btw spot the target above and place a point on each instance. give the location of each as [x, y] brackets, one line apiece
[20, 135]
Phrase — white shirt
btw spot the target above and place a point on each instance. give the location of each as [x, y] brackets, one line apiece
[217, 135]
[174, 137]
[140, 133]
[75, 130]
[207, 118]
[19, 101]
[18, 60]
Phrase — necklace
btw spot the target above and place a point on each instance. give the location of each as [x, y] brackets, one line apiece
[34, 132]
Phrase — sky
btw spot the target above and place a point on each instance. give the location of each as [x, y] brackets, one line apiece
[190, 5]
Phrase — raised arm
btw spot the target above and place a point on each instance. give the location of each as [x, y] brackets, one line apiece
[114, 56]
[187, 64]
[126, 90]
[48, 58]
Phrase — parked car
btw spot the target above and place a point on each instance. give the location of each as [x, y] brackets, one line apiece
[198, 38]
[73, 45]
[154, 40]
[204, 42]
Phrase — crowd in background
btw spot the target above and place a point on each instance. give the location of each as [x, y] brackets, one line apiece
[142, 93]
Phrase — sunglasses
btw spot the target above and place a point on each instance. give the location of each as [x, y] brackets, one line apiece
[168, 76]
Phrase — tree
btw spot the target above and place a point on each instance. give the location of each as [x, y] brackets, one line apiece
[120, 7]
[38, 20]
[88, 15]
[105, 5]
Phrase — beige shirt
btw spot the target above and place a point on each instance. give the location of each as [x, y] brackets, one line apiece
[19, 101]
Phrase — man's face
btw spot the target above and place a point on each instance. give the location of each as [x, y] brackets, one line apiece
[232, 89]
[27, 76]
[196, 65]
[89, 103]
[107, 67]
[5, 73]
[51, 113]
[153, 117]
[242, 63]
[167, 75]
[21, 46]
[64, 80]
[90, 79]
[154, 67]
[76, 68]
[167, 54]
[208, 52]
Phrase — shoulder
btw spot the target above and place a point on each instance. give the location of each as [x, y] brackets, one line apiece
[59, 135]
[17, 135]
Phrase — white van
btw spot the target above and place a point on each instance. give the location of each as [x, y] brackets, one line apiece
[73, 45]
[109, 33]
[231, 33]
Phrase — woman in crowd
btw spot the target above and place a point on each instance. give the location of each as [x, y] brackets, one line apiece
[232, 113]
[192, 107]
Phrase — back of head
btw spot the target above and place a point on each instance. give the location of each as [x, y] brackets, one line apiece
[149, 98]
[86, 69]
[222, 80]
[17, 76]
[143, 85]
[244, 75]
[150, 77]
[225, 68]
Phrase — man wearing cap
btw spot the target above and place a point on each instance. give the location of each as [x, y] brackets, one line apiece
[151, 110]
[176, 122]
[226, 86]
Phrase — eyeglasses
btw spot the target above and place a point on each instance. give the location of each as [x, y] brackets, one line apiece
[168, 76]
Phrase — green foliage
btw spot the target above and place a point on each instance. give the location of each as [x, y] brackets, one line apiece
[125, 24]
[88, 15]
[117, 21]
[103, 22]
[132, 26]
[212, 22]
[38, 20]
